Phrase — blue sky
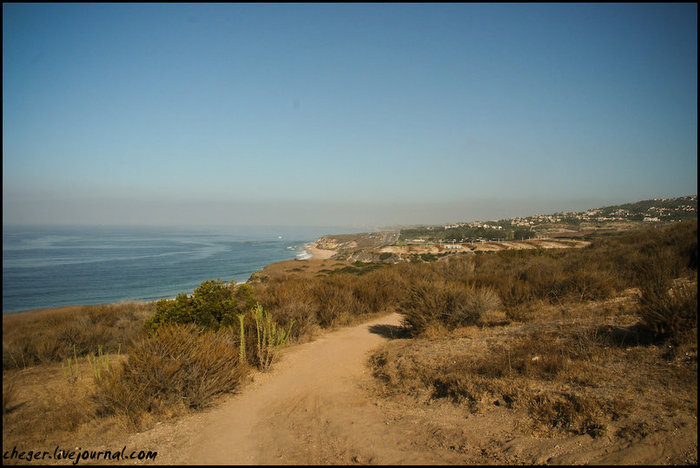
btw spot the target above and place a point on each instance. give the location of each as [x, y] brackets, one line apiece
[343, 114]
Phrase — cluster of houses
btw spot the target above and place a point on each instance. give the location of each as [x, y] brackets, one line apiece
[476, 224]
[652, 214]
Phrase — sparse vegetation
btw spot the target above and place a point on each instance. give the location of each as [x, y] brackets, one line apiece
[556, 364]
[566, 374]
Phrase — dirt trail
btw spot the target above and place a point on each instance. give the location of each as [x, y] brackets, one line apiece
[311, 408]
[318, 406]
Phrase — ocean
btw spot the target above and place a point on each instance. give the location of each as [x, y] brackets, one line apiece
[58, 266]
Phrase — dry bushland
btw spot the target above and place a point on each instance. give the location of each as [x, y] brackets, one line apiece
[489, 289]
[575, 375]
[602, 340]
[329, 301]
[555, 333]
[36, 338]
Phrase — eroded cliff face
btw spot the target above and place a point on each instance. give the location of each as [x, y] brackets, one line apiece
[331, 243]
[348, 244]
[380, 247]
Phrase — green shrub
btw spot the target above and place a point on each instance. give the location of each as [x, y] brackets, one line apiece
[212, 305]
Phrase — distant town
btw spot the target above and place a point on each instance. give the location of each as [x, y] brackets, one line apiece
[659, 210]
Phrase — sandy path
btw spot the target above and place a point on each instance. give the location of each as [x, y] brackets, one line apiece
[311, 408]
[317, 406]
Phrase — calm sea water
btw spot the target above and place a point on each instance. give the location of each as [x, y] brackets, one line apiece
[58, 266]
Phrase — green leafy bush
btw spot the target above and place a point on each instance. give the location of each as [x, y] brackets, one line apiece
[212, 305]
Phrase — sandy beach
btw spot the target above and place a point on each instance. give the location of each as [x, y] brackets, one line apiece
[320, 254]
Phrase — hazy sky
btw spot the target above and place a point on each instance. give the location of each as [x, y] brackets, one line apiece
[343, 114]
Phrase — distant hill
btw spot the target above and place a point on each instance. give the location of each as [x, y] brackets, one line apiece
[665, 209]
[659, 210]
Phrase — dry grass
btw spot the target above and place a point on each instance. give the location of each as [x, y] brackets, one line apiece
[48, 407]
[9, 395]
[603, 339]
[483, 289]
[666, 309]
[177, 367]
[163, 376]
[448, 304]
[36, 338]
[324, 302]
[577, 376]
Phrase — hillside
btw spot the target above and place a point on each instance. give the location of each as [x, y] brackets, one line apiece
[562, 224]
[547, 231]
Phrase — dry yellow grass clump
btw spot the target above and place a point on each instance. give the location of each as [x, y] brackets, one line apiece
[177, 367]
